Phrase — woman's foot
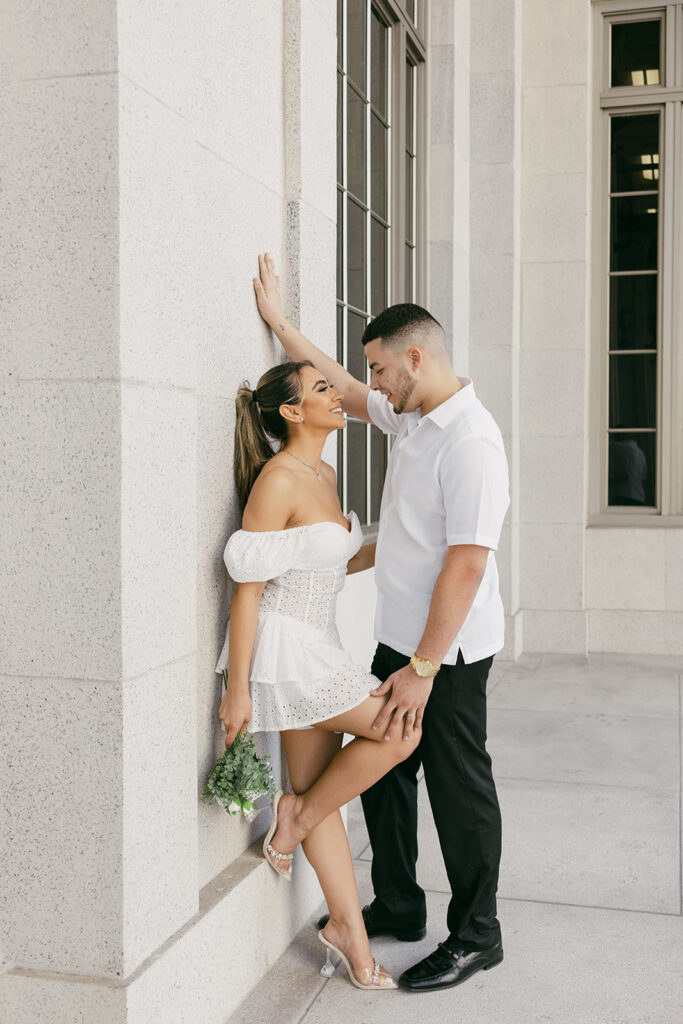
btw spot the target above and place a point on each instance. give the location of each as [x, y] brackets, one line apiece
[364, 970]
[287, 836]
[354, 945]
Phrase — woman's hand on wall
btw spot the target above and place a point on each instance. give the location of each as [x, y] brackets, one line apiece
[267, 288]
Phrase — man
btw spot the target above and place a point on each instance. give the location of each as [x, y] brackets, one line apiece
[439, 621]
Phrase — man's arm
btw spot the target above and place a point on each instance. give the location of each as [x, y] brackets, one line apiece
[454, 591]
[364, 559]
[298, 347]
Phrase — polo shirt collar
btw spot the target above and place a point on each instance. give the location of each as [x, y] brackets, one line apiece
[449, 410]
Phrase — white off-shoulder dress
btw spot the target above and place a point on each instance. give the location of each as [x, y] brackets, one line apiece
[300, 673]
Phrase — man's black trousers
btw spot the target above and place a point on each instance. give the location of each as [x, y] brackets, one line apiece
[462, 794]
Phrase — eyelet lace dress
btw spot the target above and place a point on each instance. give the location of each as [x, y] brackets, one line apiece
[300, 674]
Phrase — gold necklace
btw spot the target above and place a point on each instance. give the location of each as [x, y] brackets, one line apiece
[316, 471]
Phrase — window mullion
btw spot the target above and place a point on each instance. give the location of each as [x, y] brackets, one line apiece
[345, 254]
[675, 397]
[666, 294]
[368, 233]
[604, 317]
[397, 160]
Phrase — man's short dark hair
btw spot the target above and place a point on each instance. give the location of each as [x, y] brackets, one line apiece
[395, 322]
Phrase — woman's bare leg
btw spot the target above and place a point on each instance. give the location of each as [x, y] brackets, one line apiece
[354, 769]
[309, 753]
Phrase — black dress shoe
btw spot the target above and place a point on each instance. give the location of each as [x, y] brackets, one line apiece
[374, 925]
[447, 967]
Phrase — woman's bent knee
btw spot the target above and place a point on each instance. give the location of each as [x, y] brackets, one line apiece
[403, 748]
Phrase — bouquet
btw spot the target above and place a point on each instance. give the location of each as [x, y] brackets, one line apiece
[239, 777]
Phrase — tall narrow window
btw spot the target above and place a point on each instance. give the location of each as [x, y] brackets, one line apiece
[633, 302]
[379, 227]
[638, 354]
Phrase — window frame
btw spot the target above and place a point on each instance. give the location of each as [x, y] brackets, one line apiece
[667, 99]
[406, 41]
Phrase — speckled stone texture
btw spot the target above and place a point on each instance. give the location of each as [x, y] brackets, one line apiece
[245, 920]
[158, 526]
[60, 604]
[59, 217]
[61, 887]
[145, 167]
[495, 173]
[554, 338]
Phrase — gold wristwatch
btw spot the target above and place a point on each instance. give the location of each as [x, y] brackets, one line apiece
[423, 667]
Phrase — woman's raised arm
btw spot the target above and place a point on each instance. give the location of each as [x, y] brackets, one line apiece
[299, 348]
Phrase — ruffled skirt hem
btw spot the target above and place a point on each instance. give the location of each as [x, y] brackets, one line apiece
[260, 725]
[300, 675]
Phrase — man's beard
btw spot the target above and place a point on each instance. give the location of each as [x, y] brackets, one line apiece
[406, 386]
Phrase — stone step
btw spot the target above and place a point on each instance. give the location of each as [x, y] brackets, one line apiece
[246, 919]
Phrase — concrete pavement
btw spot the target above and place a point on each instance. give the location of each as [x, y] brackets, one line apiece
[587, 757]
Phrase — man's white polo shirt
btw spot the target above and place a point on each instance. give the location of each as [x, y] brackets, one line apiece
[446, 484]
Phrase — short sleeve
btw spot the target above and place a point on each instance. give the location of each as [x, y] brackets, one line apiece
[255, 557]
[474, 480]
[381, 413]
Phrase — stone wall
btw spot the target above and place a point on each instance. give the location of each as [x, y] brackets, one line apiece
[148, 158]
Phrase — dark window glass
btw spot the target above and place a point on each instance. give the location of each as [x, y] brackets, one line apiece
[340, 334]
[340, 34]
[340, 130]
[410, 104]
[636, 53]
[354, 346]
[410, 205]
[409, 291]
[368, 169]
[632, 469]
[633, 241]
[340, 244]
[378, 167]
[356, 42]
[355, 254]
[357, 462]
[378, 266]
[379, 464]
[633, 390]
[378, 65]
[355, 159]
[633, 312]
[635, 153]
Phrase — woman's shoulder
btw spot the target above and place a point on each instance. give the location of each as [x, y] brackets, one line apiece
[272, 499]
[328, 471]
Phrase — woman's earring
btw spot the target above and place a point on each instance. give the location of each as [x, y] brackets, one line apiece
[301, 419]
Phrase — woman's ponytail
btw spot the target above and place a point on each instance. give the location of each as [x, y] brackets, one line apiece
[258, 420]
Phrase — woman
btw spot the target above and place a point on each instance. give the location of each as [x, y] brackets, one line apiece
[289, 560]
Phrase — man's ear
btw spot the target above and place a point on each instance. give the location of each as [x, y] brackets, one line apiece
[415, 357]
[291, 413]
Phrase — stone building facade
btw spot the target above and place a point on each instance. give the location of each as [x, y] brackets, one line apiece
[149, 152]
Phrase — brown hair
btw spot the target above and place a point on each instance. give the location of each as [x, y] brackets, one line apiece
[258, 420]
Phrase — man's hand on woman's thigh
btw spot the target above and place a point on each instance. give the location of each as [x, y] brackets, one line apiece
[408, 696]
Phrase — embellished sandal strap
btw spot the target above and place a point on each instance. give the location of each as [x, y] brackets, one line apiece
[278, 856]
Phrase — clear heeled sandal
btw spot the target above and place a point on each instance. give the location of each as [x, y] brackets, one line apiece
[375, 977]
[272, 856]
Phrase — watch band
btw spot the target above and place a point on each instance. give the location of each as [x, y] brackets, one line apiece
[423, 667]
